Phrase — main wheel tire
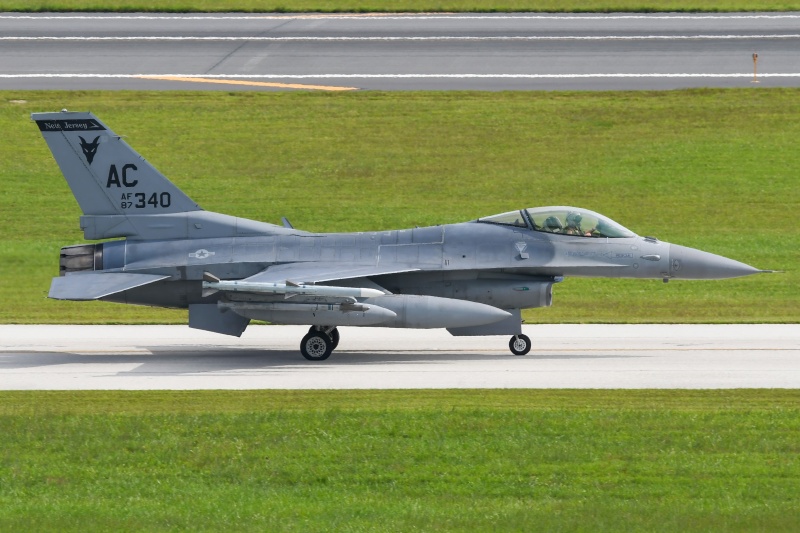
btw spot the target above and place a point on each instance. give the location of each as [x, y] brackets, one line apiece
[316, 346]
[520, 344]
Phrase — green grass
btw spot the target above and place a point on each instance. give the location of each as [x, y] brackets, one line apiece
[712, 169]
[289, 6]
[400, 461]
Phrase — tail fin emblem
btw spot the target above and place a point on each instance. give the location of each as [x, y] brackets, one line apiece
[89, 148]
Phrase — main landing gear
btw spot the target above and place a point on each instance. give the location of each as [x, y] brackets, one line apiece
[520, 344]
[318, 344]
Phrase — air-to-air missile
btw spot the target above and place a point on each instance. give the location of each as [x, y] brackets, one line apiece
[212, 284]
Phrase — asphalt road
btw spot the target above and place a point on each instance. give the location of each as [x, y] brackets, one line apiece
[398, 52]
[267, 357]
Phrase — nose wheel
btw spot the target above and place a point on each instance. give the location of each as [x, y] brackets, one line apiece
[319, 343]
[520, 344]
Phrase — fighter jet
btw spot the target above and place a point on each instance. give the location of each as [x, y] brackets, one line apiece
[472, 278]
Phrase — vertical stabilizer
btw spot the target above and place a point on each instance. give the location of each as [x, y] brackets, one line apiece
[106, 175]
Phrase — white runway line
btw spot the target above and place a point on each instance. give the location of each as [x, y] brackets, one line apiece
[430, 38]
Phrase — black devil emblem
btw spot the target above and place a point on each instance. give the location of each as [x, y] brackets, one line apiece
[89, 148]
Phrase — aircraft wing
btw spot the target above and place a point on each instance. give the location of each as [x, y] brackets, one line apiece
[95, 285]
[321, 272]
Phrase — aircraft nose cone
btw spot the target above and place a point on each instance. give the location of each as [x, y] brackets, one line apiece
[689, 263]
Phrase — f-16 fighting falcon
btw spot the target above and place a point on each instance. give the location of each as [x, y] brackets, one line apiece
[473, 278]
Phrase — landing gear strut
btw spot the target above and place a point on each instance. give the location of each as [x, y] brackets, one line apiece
[318, 344]
[520, 344]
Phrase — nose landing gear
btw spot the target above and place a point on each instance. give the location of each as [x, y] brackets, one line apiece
[520, 344]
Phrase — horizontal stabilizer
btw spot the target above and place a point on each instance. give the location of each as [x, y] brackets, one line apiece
[95, 285]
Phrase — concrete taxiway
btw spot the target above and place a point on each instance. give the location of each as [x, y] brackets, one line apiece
[267, 357]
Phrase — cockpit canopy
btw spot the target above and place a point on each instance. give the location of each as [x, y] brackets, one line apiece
[562, 220]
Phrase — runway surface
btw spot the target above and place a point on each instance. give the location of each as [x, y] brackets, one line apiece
[267, 357]
[398, 52]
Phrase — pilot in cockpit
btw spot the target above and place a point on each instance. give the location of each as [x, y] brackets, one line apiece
[574, 224]
[553, 225]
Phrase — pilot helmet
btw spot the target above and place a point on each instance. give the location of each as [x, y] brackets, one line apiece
[553, 223]
[574, 220]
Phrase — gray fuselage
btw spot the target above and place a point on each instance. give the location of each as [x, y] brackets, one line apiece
[474, 261]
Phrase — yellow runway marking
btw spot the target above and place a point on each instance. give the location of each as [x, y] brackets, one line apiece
[253, 83]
